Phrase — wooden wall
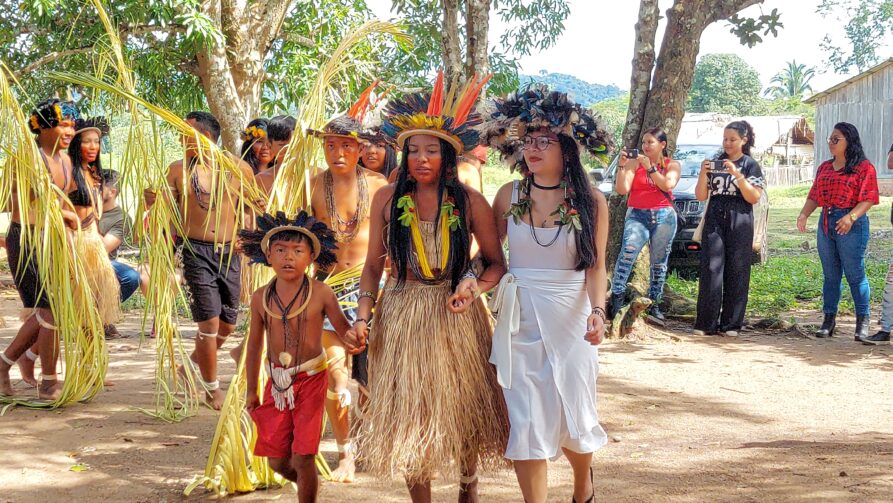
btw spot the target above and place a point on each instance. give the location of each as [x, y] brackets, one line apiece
[868, 104]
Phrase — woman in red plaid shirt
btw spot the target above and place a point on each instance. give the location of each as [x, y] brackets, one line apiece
[845, 187]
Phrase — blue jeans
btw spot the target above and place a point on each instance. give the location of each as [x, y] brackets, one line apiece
[127, 277]
[844, 254]
[657, 227]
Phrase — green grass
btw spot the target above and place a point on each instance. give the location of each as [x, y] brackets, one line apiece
[792, 277]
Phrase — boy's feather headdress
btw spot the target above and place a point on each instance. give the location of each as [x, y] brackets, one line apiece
[98, 124]
[351, 124]
[49, 113]
[256, 242]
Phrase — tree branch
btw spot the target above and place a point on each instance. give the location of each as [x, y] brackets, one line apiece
[53, 56]
[724, 9]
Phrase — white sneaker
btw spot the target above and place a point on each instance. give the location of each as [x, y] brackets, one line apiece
[730, 333]
[698, 333]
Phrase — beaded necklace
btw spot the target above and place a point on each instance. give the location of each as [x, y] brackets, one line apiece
[346, 231]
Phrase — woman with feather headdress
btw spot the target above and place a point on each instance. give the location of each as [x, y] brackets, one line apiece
[551, 305]
[434, 398]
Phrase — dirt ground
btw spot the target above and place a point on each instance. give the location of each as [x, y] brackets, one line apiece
[764, 417]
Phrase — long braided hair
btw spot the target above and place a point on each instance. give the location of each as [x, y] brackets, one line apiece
[399, 239]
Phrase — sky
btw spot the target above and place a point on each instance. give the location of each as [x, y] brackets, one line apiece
[597, 42]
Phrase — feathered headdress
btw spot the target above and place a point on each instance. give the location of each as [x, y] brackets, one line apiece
[449, 115]
[98, 124]
[256, 242]
[49, 113]
[350, 124]
[534, 108]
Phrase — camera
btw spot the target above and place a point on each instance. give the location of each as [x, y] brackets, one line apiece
[718, 164]
[632, 153]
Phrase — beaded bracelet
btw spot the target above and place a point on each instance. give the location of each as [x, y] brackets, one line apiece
[600, 312]
[469, 274]
[368, 294]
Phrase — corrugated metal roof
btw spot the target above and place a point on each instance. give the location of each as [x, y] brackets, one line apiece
[707, 129]
[849, 81]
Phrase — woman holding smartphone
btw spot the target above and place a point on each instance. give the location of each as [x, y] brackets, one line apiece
[733, 183]
[649, 178]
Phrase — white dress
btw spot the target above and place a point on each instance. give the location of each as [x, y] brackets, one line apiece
[551, 390]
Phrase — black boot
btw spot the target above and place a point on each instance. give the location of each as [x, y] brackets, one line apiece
[828, 326]
[862, 323]
[614, 305]
[656, 316]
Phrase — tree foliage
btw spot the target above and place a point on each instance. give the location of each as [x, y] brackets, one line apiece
[613, 112]
[725, 83]
[792, 82]
[867, 22]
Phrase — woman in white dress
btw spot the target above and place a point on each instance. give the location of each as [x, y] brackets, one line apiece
[552, 316]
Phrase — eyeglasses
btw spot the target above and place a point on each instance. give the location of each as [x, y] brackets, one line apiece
[540, 142]
[834, 140]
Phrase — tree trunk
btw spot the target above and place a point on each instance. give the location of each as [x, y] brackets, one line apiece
[659, 100]
[477, 26]
[449, 40]
[643, 65]
[232, 74]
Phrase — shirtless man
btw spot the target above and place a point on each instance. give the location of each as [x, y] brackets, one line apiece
[341, 197]
[53, 123]
[211, 265]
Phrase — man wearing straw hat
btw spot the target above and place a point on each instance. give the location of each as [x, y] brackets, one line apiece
[346, 188]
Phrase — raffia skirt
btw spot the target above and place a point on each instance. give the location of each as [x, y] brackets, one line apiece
[433, 394]
[101, 277]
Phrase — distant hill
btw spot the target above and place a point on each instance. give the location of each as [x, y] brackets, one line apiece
[581, 91]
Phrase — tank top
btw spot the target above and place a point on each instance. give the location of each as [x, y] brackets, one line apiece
[526, 253]
[644, 194]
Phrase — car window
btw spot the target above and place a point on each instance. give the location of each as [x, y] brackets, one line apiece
[691, 156]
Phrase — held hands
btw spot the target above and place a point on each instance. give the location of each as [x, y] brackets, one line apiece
[595, 329]
[466, 293]
[355, 338]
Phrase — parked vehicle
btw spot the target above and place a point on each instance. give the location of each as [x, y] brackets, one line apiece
[685, 253]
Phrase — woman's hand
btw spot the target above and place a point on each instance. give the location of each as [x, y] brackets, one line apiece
[354, 344]
[71, 220]
[801, 222]
[466, 293]
[645, 162]
[732, 169]
[595, 329]
[359, 332]
[844, 224]
[706, 166]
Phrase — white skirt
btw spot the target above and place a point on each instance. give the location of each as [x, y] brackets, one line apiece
[552, 398]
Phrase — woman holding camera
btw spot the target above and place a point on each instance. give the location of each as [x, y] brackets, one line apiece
[733, 183]
[845, 187]
[648, 177]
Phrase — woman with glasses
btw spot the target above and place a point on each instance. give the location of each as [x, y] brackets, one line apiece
[648, 177]
[556, 225]
[733, 184]
[845, 187]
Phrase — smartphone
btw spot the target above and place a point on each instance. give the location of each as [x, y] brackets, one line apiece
[718, 164]
[632, 153]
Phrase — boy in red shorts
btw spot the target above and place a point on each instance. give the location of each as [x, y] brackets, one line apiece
[287, 315]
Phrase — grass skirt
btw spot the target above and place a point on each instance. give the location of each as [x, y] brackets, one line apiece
[101, 278]
[433, 394]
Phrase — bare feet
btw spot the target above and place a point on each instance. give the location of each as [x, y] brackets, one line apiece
[5, 385]
[346, 468]
[49, 390]
[26, 368]
[215, 398]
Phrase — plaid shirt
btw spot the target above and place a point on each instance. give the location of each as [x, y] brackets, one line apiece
[834, 189]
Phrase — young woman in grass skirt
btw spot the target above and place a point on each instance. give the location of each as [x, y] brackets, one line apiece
[434, 397]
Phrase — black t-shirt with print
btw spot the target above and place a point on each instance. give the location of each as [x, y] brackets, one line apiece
[722, 183]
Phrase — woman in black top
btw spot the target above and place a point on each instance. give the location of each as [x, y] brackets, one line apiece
[727, 236]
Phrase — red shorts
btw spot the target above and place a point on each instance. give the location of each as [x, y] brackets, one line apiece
[283, 433]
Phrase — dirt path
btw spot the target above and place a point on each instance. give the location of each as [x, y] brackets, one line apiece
[765, 417]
